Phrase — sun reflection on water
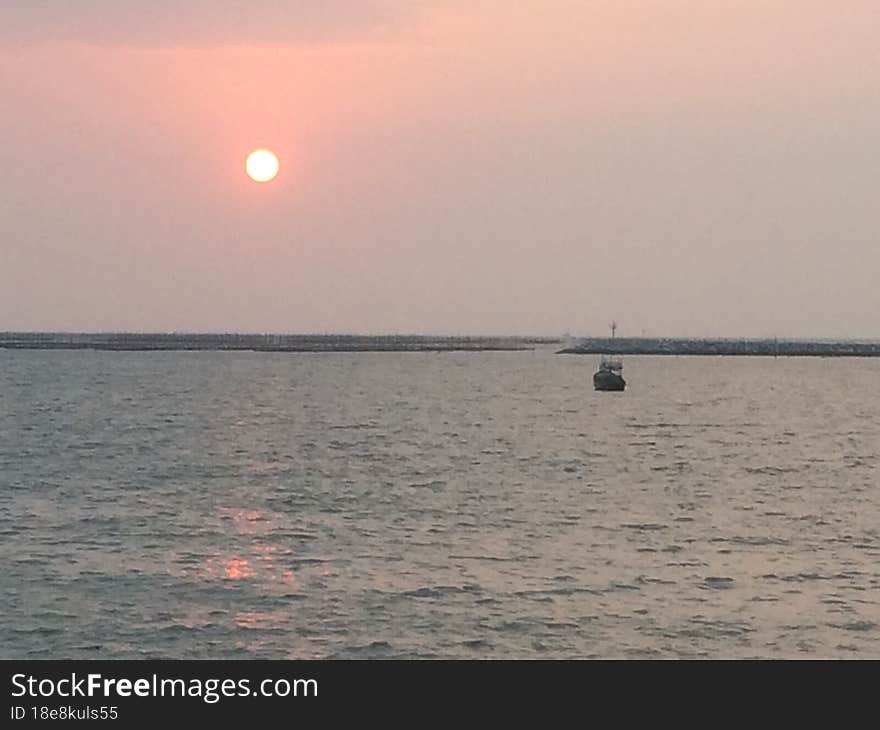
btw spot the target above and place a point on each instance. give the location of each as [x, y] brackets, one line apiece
[253, 559]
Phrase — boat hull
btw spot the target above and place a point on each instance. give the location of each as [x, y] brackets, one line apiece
[605, 380]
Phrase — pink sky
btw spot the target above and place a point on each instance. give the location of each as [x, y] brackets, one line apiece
[685, 167]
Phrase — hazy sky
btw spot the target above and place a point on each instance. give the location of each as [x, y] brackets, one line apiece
[700, 167]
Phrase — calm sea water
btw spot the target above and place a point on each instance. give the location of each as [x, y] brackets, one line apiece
[196, 505]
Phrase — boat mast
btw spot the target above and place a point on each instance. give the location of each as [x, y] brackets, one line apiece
[609, 358]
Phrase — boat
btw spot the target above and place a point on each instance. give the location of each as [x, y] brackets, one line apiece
[609, 376]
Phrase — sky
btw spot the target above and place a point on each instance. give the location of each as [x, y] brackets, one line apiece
[686, 168]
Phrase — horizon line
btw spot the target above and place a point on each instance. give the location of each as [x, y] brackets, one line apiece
[446, 335]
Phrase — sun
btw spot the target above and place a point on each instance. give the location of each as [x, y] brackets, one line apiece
[261, 165]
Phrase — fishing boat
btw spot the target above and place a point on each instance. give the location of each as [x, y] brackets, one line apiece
[609, 376]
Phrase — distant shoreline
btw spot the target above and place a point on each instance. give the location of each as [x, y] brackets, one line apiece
[160, 342]
[136, 342]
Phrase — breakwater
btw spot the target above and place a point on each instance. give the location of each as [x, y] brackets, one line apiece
[761, 347]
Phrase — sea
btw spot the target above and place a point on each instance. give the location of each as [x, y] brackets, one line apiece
[477, 505]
